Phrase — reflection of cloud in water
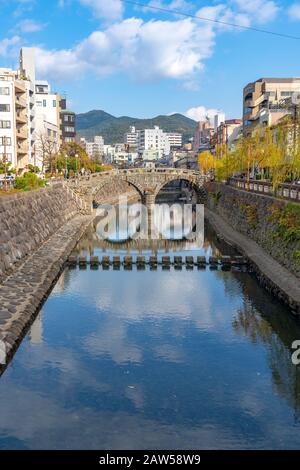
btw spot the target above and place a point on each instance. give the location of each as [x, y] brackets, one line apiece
[124, 303]
[91, 429]
[111, 339]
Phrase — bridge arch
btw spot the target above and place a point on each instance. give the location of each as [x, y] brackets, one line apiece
[120, 186]
[198, 187]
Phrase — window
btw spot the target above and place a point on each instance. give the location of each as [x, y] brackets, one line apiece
[8, 140]
[44, 103]
[39, 103]
[54, 103]
[66, 118]
[7, 155]
[5, 124]
[49, 132]
[287, 93]
[69, 129]
[4, 108]
[4, 91]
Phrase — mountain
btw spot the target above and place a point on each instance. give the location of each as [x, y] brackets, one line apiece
[99, 122]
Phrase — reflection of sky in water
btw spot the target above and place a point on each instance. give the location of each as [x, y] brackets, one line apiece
[178, 359]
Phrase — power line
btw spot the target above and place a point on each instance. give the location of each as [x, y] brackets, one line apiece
[188, 15]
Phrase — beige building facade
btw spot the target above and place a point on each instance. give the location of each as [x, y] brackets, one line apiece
[264, 101]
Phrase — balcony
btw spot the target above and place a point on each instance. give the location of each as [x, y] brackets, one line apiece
[20, 86]
[21, 117]
[23, 148]
[21, 102]
[22, 133]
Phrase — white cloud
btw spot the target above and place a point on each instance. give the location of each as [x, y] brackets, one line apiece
[110, 9]
[145, 50]
[152, 49]
[200, 113]
[260, 11]
[7, 45]
[30, 26]
[294, 11]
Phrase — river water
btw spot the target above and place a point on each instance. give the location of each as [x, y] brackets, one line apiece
[154, 359]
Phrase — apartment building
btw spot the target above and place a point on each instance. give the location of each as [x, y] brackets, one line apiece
[229, 131]
[29, 110]
[175, 140]
[153, 139]
[14, 122]
[131, 137]
[265, 101]
[202, 136]
[67, 123]
[94, 149]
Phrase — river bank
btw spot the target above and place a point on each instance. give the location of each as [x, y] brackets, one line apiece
[271, 275]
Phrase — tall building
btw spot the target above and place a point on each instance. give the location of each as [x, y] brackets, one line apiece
[130, 138]
[218, 119]
[95, 149]
[14, 120]
[153, 139]
[202, 136]
[29, 114]
[263, 101]
[175, 140]
[67, 123]
[229, 131]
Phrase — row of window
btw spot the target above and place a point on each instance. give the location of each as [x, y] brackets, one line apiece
[69, 118]
[43, 104]
[7, 155]
[4, 91]
[6, 139]
[5, 124]
[4, 108]
[69, 129]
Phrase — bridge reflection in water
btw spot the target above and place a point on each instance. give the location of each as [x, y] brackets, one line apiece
[173, 237]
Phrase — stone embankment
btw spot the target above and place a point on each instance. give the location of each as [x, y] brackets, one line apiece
[38, 230]
[252, 223]
[29, 219]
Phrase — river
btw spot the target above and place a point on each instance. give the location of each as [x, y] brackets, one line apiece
[150, 359]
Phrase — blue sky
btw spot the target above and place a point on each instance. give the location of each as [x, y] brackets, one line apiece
[128, 60]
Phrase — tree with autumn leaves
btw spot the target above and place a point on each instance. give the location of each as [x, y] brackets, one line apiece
[272, 152]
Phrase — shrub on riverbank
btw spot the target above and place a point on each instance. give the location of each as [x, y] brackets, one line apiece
[28, 182]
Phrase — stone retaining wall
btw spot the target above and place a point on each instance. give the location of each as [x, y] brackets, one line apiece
[256, 216]
[27, 220]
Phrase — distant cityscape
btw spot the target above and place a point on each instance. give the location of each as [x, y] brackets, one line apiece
[32, 116]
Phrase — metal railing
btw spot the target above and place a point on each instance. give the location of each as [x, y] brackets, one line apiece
[285, 191]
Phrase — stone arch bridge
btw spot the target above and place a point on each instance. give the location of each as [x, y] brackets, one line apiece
[146, 182]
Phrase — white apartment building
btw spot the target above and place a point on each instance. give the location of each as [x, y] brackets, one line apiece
[218, 119]
[47, 118]
[94, 149]
[153, 139]
[175, 139]
[14, 119]
[131, 137]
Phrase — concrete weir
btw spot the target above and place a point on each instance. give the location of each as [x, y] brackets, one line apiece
[166, 262]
